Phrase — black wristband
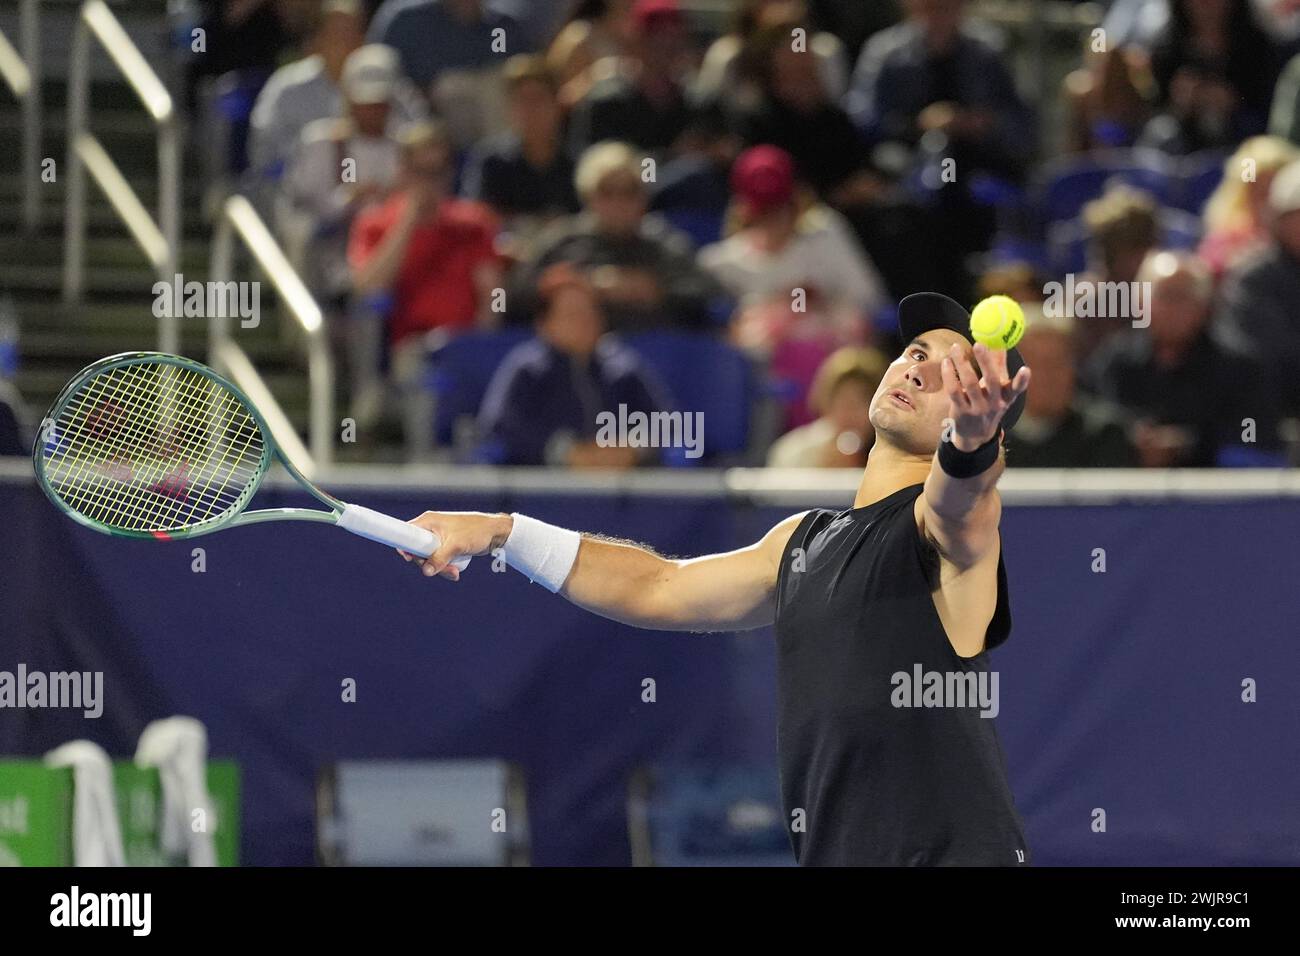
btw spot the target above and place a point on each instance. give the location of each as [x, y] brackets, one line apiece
[967, 464]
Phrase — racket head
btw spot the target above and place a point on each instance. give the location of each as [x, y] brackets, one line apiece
[151, 445]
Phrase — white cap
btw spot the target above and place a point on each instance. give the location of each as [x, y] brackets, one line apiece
[370, 74]
[1284, 193]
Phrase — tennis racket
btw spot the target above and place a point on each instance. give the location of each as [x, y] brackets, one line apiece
[149, 445]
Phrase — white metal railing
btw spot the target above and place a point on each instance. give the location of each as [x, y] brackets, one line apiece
[22, 74]
[160, 239]
[238, 219]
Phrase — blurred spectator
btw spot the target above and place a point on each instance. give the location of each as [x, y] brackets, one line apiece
[1236, 215]
[841, 395]
[427, 259]
[1187, 394]
[795, 273]
[431, 36]
[642, 100]
[524, 175]
[1214, 70]
[1284, 117]
[245, 35]
[1136, 23]
[308, 89]
[15, 432]
[803, 284]
[643, 270]
[1015, 279]
[1106, 101]
[1281, 21]
[340, 166]
[691, 190]
[596, 30]
[1122, 229]
[542, 21]
[795, 112]
[725, 75]
[1260, 312]
[1061, 428]
[853, 21]
[935, 88]
[542, 405]
[939, 71]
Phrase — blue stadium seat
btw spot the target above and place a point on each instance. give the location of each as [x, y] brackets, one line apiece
[1067, 242]
[728, 815]
[1179, 229]
[1010, 248]
[707, 375]
[1198, 176]
[1067, 183]
[459, 373]
[235, 93]
[704, 226]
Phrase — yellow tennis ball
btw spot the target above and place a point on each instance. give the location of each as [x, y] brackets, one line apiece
[998, 322]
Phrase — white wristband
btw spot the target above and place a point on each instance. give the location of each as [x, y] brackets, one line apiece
[541, 551]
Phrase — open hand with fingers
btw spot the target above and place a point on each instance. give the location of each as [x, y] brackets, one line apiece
[978, 401]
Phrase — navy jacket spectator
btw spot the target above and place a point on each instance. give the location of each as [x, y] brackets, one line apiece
[1189, 397]
[543, 401]
[1207, 395]
[1261, 296]
[641, 97]
[543, 404]
[1087, 437]
[430, 36]
[498, 173]
[898, 76]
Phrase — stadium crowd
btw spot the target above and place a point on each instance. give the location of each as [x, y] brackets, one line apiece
[448, 171]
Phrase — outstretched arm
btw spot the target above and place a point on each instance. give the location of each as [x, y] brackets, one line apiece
[961, 515]
[632, 584]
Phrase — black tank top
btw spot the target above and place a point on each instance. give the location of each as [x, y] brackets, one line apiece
[858, 636]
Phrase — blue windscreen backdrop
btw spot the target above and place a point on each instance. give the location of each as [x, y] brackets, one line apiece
[1121, 692]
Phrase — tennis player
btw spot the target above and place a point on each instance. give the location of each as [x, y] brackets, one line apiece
[909, 582]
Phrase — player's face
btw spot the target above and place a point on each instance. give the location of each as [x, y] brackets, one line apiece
[910, 406]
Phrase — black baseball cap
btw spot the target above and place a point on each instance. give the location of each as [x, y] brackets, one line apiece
[920, 312]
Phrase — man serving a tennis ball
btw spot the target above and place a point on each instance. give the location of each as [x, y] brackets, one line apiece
[884, 760]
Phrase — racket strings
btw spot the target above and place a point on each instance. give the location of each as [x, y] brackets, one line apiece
[147, 463]
[172, 464]
[152, 446]
[97, 414]
[159, 463]
[138, 458]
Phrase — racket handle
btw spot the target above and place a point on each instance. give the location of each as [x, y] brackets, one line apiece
[390, 531]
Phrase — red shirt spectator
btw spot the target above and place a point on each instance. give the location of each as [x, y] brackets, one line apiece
[435, 285]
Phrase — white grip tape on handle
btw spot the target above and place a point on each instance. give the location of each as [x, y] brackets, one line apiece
[390, 531]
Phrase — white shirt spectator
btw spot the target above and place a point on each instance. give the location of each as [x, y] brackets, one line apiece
[333, 173]
[802, 447]
[300, 93]
[719, 74]
[823, 255]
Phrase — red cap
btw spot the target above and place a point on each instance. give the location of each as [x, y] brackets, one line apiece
[763, 178]
[646, 13]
